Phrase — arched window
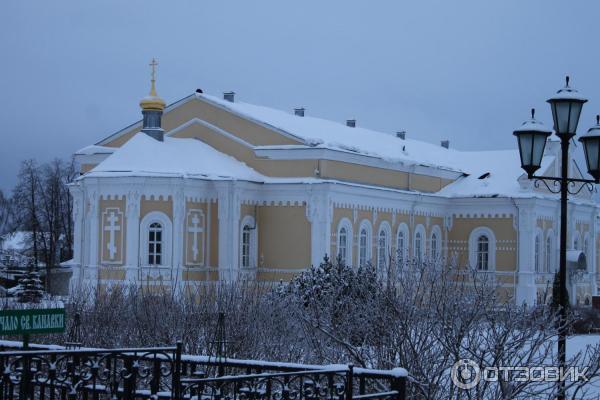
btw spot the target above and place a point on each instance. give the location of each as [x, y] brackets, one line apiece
[248, 245]
[383, 246]
[548, 254]
[402, 244]
[586, 249]
[343, 245]
[482, 249]
[537, 250]
[155, 244]
[344, 241]
[434, 247]
[419, 243]
[435, 244]
[155, 239]
[483, 253]
[364, 243]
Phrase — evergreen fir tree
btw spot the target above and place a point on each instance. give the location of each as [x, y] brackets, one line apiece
[31, 289]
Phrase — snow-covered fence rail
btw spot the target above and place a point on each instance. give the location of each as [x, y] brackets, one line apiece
[54, 372]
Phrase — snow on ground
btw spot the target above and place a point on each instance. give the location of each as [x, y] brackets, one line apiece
[16, 241]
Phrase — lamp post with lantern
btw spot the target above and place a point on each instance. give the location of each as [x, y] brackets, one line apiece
[566, 107]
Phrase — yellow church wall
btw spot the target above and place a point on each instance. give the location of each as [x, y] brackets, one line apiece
[425, 183]
[200, 210]
[275, 168]
[506, 240]
[86, 168]
[283, 237]
[243, 128]
[148, 205]
[279, 276]
[204, 275]
[445, 182]
[340, 213]
[255, 134]
[111, 273]
[360, 173]
[104, 207]
[214, 234]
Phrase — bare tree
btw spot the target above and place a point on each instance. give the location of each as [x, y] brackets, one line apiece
[5, 214]
[27, 202]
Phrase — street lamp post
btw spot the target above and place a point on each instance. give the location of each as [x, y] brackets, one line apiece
[566, 107]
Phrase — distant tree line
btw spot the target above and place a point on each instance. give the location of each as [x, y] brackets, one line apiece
[40, 205]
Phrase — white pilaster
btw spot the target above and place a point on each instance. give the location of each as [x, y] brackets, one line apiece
[78, 236]
[89, 271]
[94, 238]
[526, 287]
[178, 235]
[229, 227]
[133, 236]
[319, 212]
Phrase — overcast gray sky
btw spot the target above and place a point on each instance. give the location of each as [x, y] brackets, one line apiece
[72, 72]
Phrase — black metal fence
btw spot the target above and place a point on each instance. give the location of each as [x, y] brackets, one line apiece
[164, 373]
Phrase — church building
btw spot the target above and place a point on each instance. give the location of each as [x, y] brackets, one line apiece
[210, 188]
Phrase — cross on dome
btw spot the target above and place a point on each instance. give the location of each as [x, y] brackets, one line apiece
[153, 100]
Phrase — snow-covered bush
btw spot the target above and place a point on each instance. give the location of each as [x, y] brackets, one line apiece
[422, 316]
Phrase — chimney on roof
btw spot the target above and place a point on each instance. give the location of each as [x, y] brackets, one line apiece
[445, 144]
[401, 135]
[351, 123]
[229, 96]
[299, 112]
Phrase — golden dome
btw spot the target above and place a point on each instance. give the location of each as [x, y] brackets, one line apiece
[153, 101]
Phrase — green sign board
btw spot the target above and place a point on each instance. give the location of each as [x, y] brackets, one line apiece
[23, 322]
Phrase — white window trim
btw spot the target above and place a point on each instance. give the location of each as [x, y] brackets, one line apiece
[438, 232]
[366, 224]
[475, 234]
[387, 229]
[166, 236]
[576, 237]
[539, 236]
[587, 250]
[345, 223]
[404, 229]
[249, 220]
[419, 229]
[549, 257]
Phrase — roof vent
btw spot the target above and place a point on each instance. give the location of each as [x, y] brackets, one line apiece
[401, 135]
[351, 123]
[229, 96]
[445, 144]
[299, 112]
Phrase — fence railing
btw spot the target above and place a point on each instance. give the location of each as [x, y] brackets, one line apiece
[165, 373]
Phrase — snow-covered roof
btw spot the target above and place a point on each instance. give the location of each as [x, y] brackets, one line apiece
[95, 149]
[145, 156]
[485, 173]
[318, 132]
[492, 174]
